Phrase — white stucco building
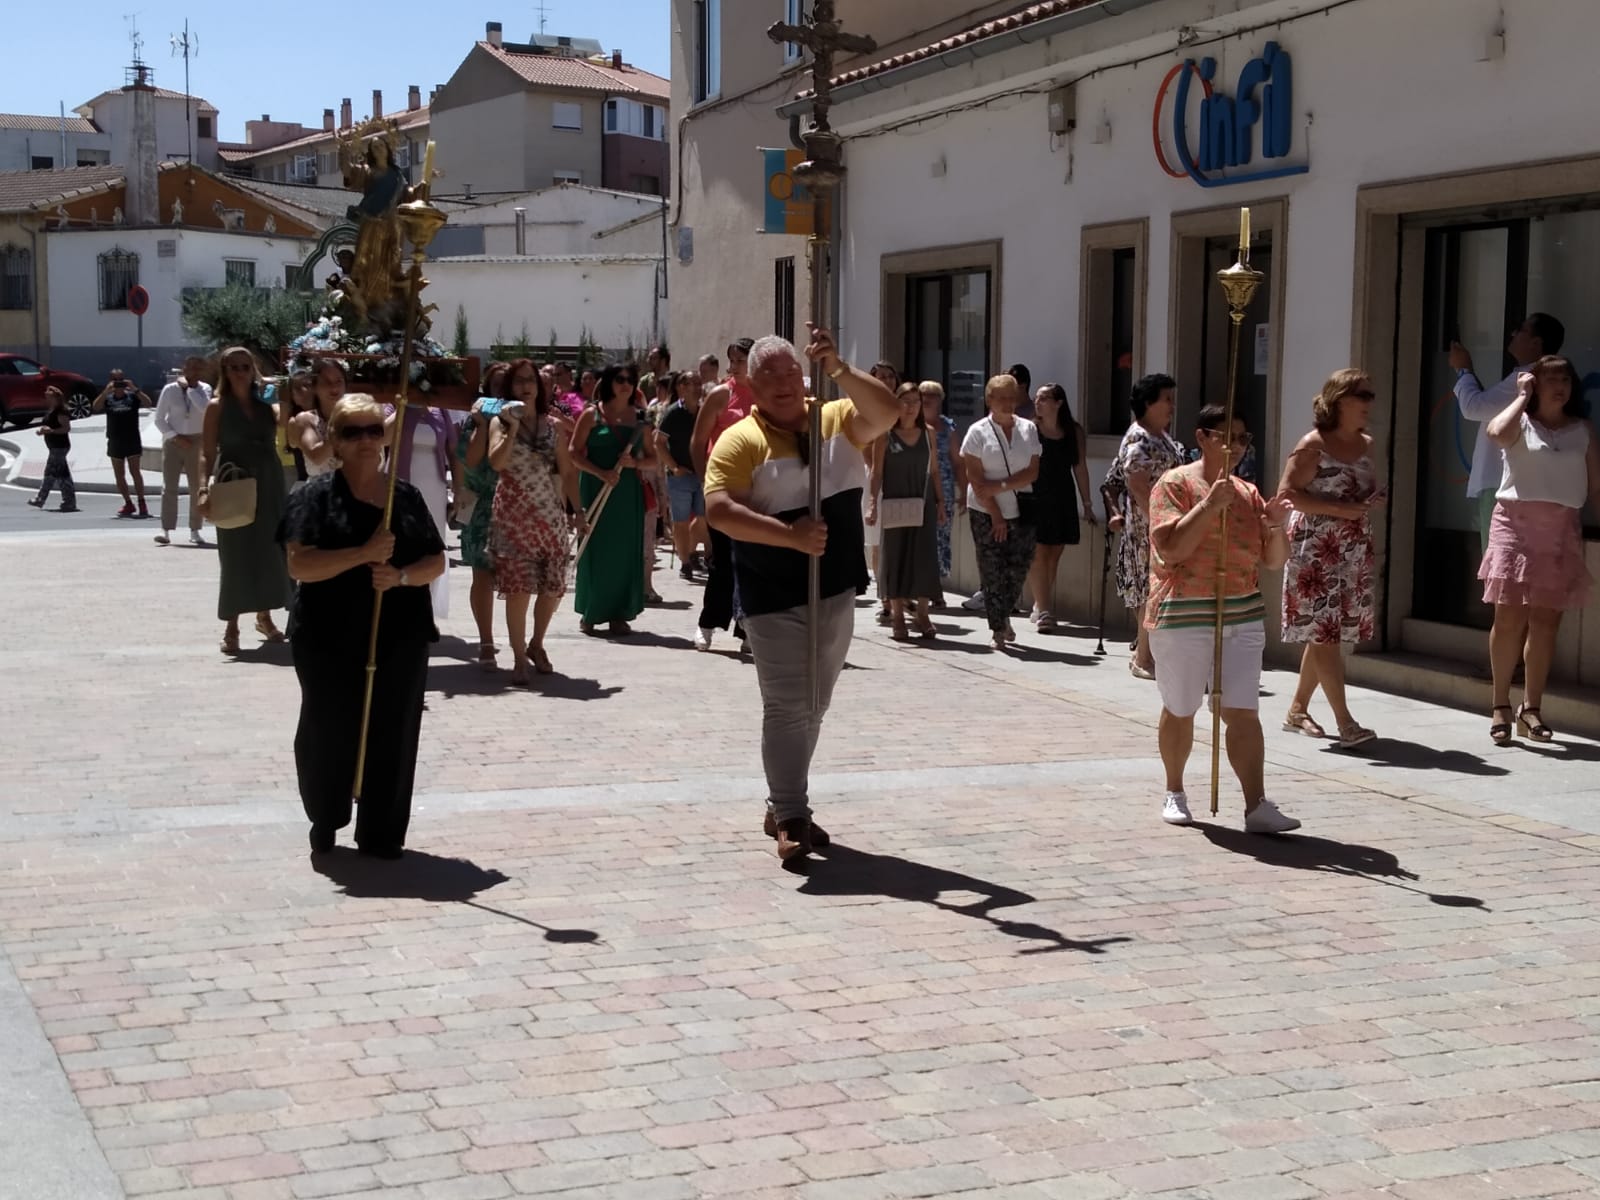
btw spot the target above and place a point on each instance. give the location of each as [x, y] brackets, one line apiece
[1018, 193]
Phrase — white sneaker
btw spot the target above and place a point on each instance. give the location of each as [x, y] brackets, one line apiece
[1265, 818]
[1175, 810]
[163, 538]
[974, 602]
[195, 539]
[702, 639]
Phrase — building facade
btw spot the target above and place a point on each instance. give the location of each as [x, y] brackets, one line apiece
[68, 259]
[284, 152]
[48, 143]
[518, 117]
[1060, 189]
[728, 78]
[184, 125]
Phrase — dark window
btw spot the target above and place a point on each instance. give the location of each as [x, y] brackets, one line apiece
[119, 271]
[611, 116]
[43, 162]
[16, 277]
[947, 338]
[650, 185]
[783, 297]
[239, 270]
[1108, 337]
[649, 120]
[202, 127]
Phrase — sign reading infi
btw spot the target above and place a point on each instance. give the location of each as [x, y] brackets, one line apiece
[1263, 97]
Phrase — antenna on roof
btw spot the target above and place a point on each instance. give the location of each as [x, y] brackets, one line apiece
[135, 37]
[188, 45]
[543, 10]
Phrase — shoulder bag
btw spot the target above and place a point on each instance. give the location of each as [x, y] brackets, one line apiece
[1027, 509]
[233, 498]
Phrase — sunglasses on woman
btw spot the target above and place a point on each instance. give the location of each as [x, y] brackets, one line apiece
[351, 433]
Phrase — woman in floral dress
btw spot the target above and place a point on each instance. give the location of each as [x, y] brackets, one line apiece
[1147, 453]
[528, 525]
[952, 484]
[1327, 582]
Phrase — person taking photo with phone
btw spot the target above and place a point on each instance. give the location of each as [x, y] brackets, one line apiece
[120, 402]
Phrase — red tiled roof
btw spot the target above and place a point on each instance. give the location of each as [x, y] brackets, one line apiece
[405, 118]
[46, 124]
[23, 191]
[582, 75]
[1031, 15]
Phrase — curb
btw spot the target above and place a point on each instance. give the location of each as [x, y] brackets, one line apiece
[93, 489]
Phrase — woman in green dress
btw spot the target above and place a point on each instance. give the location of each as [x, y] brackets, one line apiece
[481, 478]
[609, 447]
[241, 430]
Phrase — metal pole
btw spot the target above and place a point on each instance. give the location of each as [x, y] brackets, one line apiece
[388, 509]
[818, 247]
[1237, 317]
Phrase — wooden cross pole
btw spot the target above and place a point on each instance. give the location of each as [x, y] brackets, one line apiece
[821, 174]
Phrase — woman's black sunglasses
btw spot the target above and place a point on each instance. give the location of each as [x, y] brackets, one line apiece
[351, 433]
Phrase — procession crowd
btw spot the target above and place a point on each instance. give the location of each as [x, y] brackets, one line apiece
[560, 483]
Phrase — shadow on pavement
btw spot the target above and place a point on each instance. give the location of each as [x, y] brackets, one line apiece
[1324, 854]
[1392, 752]
[1559, 751]
[276, 654]
[423, 876]
[469, 679]
[840, 871]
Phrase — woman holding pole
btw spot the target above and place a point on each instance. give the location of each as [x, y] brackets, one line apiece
[527, 533]
[1197, 555]
[610, 449]
[340, 555]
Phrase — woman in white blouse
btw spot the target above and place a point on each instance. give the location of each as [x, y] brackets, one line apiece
[1533, 569]
[1001, 456]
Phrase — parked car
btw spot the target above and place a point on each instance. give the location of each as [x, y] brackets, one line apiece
[22, 385]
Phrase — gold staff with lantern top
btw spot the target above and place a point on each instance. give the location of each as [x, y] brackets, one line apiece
[420, 221]
[1240, 283]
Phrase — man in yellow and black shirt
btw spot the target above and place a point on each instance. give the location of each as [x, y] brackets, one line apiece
[757, 492]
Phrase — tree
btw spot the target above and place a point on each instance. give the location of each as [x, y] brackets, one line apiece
[262, 320]
[463, 343]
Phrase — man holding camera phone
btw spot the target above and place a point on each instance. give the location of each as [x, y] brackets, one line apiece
[121, 402]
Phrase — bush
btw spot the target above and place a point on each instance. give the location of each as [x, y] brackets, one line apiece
[463, 343]
[262, 320]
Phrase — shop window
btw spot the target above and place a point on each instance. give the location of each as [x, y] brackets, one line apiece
[16, 277]
[783, 297]
[119, 271]
[1111, 325]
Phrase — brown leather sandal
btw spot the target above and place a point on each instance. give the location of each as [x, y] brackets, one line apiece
[1300, 721]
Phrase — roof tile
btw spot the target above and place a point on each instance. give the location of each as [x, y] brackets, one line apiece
[46, 124]
[581, 75]
[1031, 15]
[23, 191]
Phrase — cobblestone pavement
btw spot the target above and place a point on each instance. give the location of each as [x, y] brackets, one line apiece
[1006, 981]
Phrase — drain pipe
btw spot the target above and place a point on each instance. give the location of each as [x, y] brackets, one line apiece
[522, 230]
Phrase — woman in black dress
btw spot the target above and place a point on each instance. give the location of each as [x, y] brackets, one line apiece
[340, 555]
[1061, 489]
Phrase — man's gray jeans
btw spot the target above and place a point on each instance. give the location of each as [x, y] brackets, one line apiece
[788, 727]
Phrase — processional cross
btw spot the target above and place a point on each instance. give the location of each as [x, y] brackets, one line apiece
[824, 38]
[822, 172]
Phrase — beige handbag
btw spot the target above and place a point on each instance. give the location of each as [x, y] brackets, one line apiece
[903, 513]
[232, 498]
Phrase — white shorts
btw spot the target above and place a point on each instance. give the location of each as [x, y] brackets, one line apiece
[1183, 666]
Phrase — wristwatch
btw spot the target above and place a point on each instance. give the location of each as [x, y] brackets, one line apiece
[839, 370]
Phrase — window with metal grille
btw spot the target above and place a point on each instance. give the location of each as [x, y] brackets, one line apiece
[119, 271]
[240, 271]
[16, 277]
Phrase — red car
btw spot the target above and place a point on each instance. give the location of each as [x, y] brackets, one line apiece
[22, 385]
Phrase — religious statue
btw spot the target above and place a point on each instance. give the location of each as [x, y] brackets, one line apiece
[116, 215]
[271, 224]
[62, 217]
[376, 277]
[177, 212]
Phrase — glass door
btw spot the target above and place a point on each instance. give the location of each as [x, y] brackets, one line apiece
[1474, 296]
[947, 335]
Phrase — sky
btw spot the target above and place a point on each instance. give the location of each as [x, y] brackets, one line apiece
[251, 63]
